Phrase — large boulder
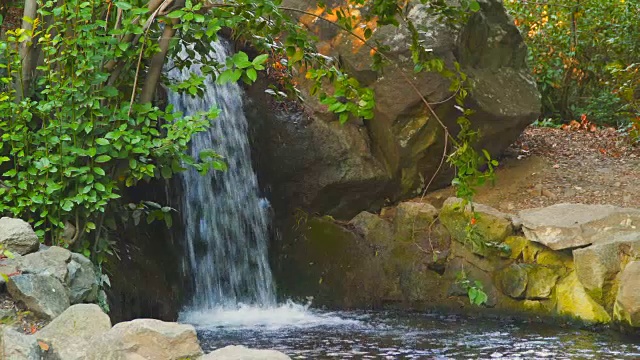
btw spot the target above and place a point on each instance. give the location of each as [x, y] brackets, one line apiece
[82, 280]
[236, 352]
[50, 262]
[627, 305]
[145, 339]
[309, 160]
[44, 295]
[70, 333]
[14, 345]
[568, 226]
[17, 236]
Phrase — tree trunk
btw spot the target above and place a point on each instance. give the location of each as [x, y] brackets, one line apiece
[27, 53]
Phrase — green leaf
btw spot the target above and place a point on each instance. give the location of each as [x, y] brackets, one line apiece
[252, 74]
[99, 171]
[260, 59]
[175, 14]
[102, 141]
[474, 6]
[100, 187]
[123, 5]
[103, 159]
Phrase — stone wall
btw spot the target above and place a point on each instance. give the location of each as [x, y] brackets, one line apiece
[571, 261]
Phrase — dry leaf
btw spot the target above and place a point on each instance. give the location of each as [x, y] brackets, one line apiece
[43, 345]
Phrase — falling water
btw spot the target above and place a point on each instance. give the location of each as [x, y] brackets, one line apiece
[225, 219]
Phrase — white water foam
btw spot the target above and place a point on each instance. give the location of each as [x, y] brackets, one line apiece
[287, 315]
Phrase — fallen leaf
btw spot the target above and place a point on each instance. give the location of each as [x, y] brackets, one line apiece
[43, 345]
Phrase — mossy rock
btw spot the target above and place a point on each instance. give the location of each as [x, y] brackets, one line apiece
[513, 280]
[516, 244]
[542, 280]
[491, 225]
[572, 300]
[413, 220]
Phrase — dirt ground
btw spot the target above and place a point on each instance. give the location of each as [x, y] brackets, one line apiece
[548, 166]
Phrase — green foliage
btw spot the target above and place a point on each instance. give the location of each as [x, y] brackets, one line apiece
[584, 57]
[68, 151]
[474, 289]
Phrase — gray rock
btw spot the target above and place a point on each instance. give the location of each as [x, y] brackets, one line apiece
[44, 295]
[50, 262]
[17, 236]
[237, 352]
[627, 306]
[70, 334]
[8, 267]
[598, 265]
[82, 280]
[566, 226]
[145, 339]
[316, 164]
[17, 346]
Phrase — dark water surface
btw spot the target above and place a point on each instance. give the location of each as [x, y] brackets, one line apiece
[384, 335]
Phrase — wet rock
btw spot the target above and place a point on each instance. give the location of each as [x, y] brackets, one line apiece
[82, 280]
[236, 352]
[145, 339]
[14, 345]
[17, 236]
[44, 295]
[572, 300]
[70, 333]
[627, 306]
[50, 262]
[566, 226]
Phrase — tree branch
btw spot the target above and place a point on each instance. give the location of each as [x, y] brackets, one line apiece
[157, 63]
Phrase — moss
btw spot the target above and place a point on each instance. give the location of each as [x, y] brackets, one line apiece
[573, 300]
[516, 244]
[542, 280]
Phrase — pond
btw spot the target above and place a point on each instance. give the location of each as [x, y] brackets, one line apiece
[312, 334]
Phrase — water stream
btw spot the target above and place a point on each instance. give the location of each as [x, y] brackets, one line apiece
[234, 300]
[225, 218]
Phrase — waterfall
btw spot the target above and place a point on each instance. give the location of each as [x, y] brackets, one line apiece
[225, 220]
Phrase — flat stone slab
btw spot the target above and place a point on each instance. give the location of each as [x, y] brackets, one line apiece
[567, 226]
